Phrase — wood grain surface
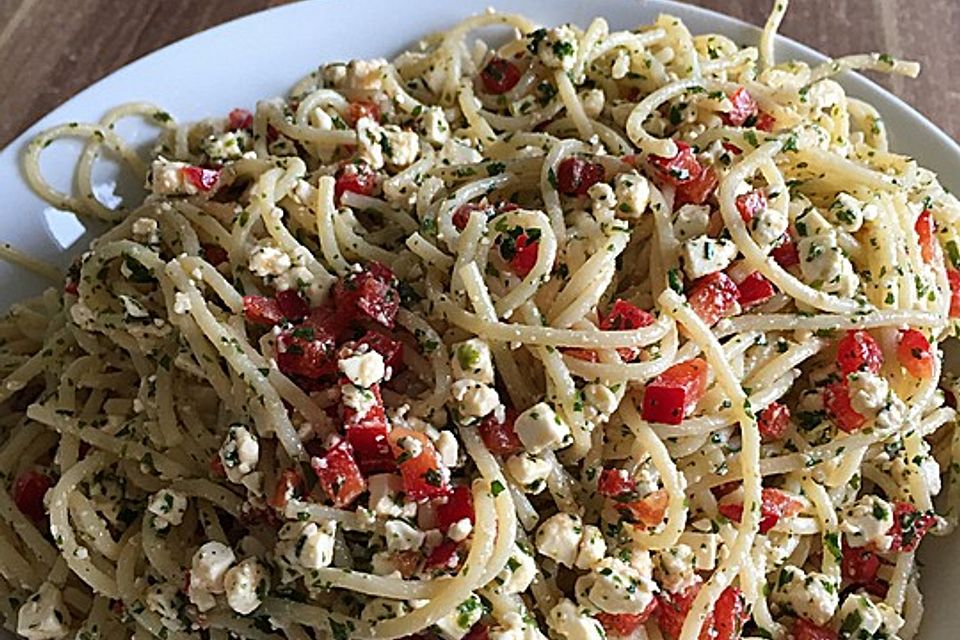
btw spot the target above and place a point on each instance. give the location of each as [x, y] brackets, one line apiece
[51, 49]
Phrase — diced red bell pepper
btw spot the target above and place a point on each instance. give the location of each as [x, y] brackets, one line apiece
[289, 484]
[953, 277]
[479, 631]
[714, 297]
[774, 422]
[292, 305]
[910, 525]
[588, 355]
[424, 476]
[338, 474]
[858, 351]
[500, 438]
[262, 310]
[648, 510]
[367, 435]
[363, 109]
[753, 290]
[575, 176]
[750, 204]
[616, 484]
[308, 350]
[371, 292]
[681, 168]
[743, 108]
[28, 491]
[836, 400]
[725, 622]
[462, 215]
[201, 178]
[673, 608]
[803, 629]
[71, 286]
[727, 618]
[445, 555]
[499, 76]
[673, 394]
[859, 565]
[915, 353]
[355, 177]
[926, 228]
[456, 507]
[765, 122]
[216, 467]
[239, 119]
[525, 256]
[724, 489]
[786, 254]
[390, 349]
[732, 148]
[214, 254]
[624, 624]
[774, 504]
[697, 190]
[624, 316]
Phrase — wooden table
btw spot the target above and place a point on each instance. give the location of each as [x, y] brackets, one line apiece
[51, 49]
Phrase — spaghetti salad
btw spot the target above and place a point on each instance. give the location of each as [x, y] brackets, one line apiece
[586, 334]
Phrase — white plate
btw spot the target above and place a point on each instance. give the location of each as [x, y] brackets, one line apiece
[262, 55]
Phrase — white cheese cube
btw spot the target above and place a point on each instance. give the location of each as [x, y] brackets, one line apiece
[306, 545]
[402, 537]
[520, 571]
[602, 200]
[861, 618]
[868, 522]
[473, 360]
[474, 399]
[675, 568]
[448, 448]
[704, 255]
[539, 428]
[181, 303]
[434, 125]
[458, 622]
[44, 616]
[239, 453]
[357, 398]
[529, 470]
[245, 585]
[593, 100]
[145, 230]
[168, 507]
[267, 261]
[557, 47]
[824, 266]
[814, 596]
[768, 226]
[868, 393]
[458, 151]
[620, 588]
[567, 619]
[633, 194]
[460, 530]
[363, 369]
[691, 221]
[592, 548]
[164, 600]
[559, 538]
